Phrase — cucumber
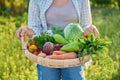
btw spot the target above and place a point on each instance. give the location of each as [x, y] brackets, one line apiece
[70, 47]
[59, 39]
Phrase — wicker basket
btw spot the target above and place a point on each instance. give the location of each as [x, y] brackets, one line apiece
[52, 62]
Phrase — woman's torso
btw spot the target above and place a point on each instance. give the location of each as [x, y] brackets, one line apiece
[61, 16]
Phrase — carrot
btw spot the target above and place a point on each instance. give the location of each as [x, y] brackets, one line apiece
[58, 57]
[70, 55]
[58, 52]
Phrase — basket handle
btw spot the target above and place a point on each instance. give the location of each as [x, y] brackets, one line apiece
[23, 44]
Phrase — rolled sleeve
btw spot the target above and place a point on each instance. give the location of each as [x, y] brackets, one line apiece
[34, 17]
[86, 19]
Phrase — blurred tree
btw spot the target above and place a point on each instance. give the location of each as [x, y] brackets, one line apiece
[2, 6]
[101, 2]
[118, 4]
[13, 7]
[2, 3]
[18, 7]
[106, 3]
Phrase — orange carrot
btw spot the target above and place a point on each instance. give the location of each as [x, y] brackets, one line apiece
[59, 57]
[70, 55]
[58, 52]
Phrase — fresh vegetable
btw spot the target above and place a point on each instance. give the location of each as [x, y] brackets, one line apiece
[86, 36]
[70, 47]
[48, 48]
[91, 45]
[30, 42]
[59, 39]
[43, 38]
[91, 37]
[70, 55]
[58, 46]
[58, 52]
[72, 31]
[33, 48]
[57, 30]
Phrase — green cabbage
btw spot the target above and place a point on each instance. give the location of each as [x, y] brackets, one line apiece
[72, 31]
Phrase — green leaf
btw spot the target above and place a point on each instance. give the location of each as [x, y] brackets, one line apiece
[44, 37]
[91, 37]
[107, 42]
[57, 30]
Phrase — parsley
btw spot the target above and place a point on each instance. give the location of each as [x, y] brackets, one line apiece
[92, 45]
[44, 37]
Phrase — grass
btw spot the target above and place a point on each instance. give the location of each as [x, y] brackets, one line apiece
[15, 66]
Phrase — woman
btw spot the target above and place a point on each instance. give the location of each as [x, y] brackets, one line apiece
[45, 13]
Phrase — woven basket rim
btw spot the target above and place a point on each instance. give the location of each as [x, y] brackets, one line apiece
[55, 63]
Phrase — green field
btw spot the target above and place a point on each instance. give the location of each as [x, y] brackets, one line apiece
[15, 66]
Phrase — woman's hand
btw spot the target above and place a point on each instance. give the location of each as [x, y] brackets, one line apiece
[91, 29]
[24, 31]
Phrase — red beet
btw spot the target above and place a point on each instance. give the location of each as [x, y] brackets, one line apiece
[48, 48]
[58, 46]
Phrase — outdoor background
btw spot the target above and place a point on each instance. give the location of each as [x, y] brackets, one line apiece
[15, 66]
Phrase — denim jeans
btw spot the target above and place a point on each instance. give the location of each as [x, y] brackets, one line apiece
[71, 73]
